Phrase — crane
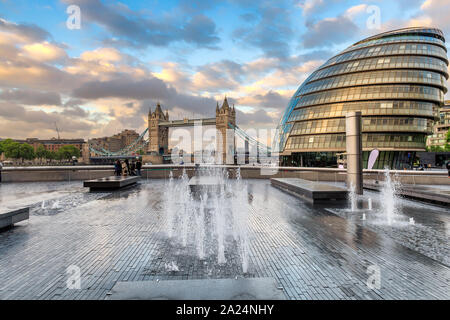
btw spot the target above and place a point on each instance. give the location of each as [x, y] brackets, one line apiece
[57, 131]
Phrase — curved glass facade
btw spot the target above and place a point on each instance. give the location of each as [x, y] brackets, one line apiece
[396, 79]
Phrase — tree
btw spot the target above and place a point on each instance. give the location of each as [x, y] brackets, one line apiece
[16, 150]
[41, 152]
[4, 144]
[435, 149]
[26, 152]
[141, 152]
[67, 152]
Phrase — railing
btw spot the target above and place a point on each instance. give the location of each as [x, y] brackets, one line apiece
[243, 167]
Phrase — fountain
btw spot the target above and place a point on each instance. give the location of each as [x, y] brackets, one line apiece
[369, 204]
[389, 203]
[207, 214]
[353, 197]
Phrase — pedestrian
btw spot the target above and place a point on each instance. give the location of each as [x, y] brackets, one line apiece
[124, 168]
[128, 166]
[138, 166]
[118, 168]
[448, 167]
[132, 168]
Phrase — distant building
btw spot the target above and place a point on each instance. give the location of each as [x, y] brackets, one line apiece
[53, 144]
[441, 127]
[117, 142]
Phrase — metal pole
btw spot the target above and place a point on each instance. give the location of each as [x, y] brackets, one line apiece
[354, 151]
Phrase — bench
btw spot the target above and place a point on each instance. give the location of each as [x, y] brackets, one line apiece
[311, 191]
[10, 216]
[110, 183]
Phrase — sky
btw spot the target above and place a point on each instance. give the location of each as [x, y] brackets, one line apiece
[126, 56]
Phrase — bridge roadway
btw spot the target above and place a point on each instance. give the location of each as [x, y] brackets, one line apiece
[187, 122]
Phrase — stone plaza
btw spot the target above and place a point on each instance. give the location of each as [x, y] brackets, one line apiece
[312, 252]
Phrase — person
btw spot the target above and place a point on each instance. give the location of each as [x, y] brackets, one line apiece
[118, 168]
[132, 168]
[138, 166]
[448, 167]
[125, 168]
[128, 166]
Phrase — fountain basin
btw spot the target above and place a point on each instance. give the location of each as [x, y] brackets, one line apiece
[201, 184]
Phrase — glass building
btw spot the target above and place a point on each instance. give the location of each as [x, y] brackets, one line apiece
[396, 79]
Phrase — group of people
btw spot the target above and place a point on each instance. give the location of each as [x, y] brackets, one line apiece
[125, 168]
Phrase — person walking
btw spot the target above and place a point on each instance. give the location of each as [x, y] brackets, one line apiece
[118, 168]
[138, 166]
[128, 167]
[448, 167]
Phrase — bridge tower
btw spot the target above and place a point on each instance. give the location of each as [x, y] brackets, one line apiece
[225, 115]
[158, 135]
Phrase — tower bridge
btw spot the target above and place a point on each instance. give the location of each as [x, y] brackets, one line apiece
[159, 124]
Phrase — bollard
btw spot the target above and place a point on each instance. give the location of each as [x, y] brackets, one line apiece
[354, 151]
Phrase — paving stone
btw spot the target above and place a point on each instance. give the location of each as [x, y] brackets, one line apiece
[115, 237]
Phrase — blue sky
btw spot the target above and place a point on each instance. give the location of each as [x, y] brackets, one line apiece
[128, 55]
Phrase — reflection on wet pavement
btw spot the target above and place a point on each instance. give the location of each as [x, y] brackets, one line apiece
[312, 252]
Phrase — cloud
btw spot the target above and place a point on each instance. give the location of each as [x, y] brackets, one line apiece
[44, 52]
[30, 97]
[102, 54]
[354, 11]
[134, 29]
[270, 100]
[124, 88]
[251, 118]
[24, 32]
[18, 120]
[218, 77]
[328, 32]
[270, 31]
[435, 14]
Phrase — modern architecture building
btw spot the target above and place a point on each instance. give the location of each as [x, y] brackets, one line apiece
[438, 140]
[396, 79]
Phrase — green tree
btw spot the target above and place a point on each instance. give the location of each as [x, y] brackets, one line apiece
[141, 152]
[16, 150]
[4, 144]
[67, 152]
[41, 152]
[12, 149]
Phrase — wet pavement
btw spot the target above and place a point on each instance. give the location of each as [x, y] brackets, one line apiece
[312, 252]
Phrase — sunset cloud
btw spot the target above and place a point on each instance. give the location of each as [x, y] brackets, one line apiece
[186, 55]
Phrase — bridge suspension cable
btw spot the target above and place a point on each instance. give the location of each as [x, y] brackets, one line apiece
[241, 133]
[122, 152]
